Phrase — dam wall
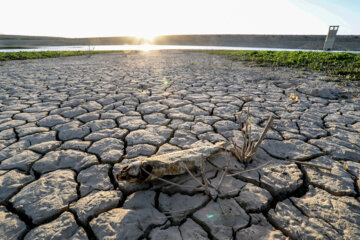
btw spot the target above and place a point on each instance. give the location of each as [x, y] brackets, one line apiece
[343, 42]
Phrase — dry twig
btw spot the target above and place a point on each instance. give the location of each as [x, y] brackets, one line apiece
[248, 149]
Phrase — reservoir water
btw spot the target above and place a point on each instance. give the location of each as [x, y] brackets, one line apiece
[147, 47]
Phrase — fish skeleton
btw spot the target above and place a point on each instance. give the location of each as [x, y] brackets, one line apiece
[174, 163]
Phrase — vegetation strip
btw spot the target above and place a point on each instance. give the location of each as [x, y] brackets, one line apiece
[343, 65]
[6, 56]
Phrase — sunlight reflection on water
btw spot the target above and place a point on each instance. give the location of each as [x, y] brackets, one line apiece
[148, 47]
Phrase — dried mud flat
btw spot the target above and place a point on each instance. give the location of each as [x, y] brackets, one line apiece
[68, 125]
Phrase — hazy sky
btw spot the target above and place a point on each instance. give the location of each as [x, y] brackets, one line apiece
[86, 18]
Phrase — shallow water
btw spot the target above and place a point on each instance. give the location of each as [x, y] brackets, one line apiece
[148, 48]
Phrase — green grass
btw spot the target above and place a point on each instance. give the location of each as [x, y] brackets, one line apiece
[6, 56]
[342, 65]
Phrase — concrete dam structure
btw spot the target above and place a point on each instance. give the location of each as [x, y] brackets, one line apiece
[316, 42]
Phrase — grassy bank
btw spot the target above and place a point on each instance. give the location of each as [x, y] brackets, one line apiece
[6, 56]
[341, 65]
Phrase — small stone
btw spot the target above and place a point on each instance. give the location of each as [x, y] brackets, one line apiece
[253, 198]
[96, 203]
[51, 121]
[11, 182]
[94, 178]
[61, 159]
[47, 196]
[11, 227]
[292, 149]
[21, 161]
[110, 150]
[64, 227]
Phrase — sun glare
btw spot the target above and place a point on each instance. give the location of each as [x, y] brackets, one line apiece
[148, 38]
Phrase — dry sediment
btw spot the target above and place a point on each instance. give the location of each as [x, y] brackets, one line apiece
[68, 125]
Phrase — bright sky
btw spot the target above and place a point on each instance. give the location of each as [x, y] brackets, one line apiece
[146, 18]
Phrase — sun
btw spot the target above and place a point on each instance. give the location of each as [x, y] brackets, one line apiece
[147, 37]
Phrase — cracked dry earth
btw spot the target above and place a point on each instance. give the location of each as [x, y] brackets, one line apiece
[68, 125]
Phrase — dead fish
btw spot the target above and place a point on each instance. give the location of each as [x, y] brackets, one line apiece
[174, 163]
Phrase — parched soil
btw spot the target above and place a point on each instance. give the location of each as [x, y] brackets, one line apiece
[69, 125]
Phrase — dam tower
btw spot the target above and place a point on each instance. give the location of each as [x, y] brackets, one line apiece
[330, 38]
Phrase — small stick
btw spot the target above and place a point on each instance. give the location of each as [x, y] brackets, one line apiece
[197, 180]
[166, 181]
[250, 170]
[312, 165]
[223, 175]
[204, 176]
[263, 133]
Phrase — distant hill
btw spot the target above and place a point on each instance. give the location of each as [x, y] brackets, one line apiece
[343, 42]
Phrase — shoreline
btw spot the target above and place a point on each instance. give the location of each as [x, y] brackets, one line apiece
[343, 42]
